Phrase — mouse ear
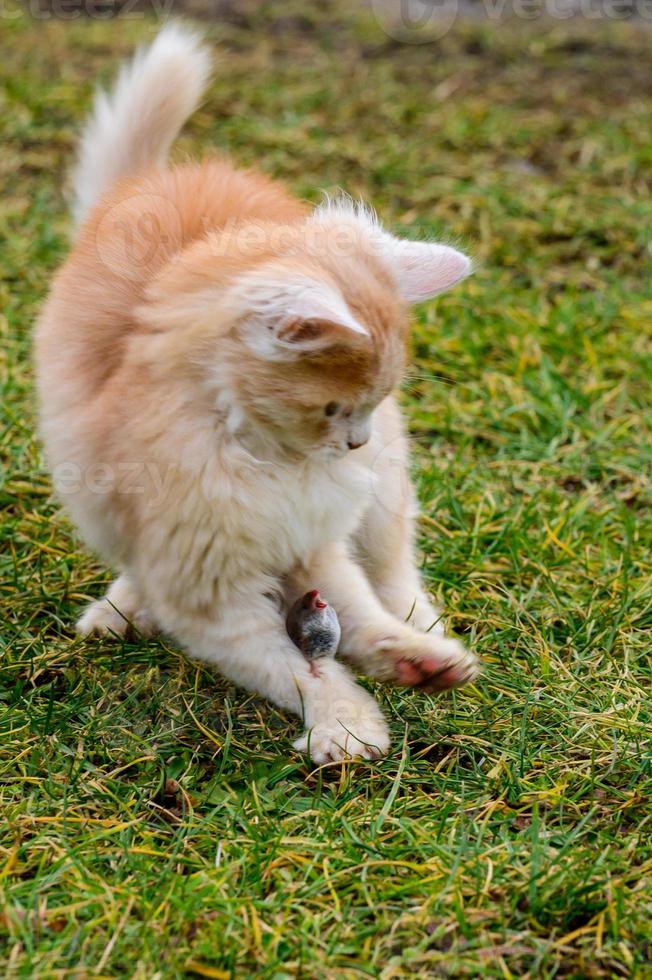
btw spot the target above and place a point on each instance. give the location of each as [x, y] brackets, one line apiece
[283, 315]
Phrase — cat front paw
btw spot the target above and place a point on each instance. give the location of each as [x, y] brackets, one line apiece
[335, 740]
[101, 618]
[430, 662]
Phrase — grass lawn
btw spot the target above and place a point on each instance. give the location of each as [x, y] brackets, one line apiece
[155, 821]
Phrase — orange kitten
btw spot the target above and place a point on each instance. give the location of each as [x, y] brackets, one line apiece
[216, 364]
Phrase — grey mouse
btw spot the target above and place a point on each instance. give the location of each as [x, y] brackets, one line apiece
[313, 626]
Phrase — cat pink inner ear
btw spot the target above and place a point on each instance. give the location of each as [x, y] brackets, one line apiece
[293, 314]
[311, 304]
[425, 269]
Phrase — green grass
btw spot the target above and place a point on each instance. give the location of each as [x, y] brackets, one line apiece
[155, 821]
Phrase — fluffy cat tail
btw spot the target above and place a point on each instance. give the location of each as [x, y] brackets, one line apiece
[132, 126]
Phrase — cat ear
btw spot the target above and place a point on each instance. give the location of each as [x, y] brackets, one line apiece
[421, 269]
[293, 316]
[424, 269]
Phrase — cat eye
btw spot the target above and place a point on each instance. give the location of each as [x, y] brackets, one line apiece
[332, 409]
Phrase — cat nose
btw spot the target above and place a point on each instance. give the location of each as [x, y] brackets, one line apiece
[359, 432]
